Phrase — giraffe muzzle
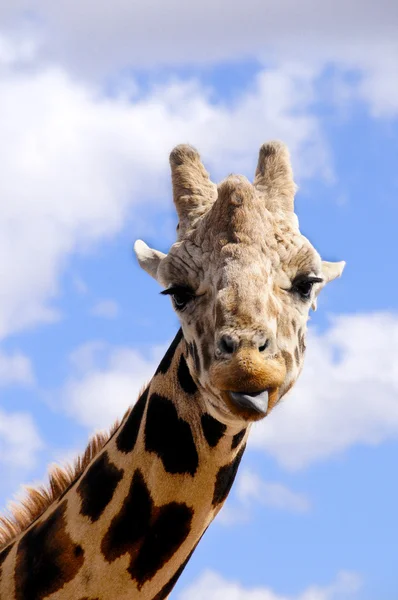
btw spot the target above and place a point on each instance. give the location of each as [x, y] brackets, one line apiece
[249, 383]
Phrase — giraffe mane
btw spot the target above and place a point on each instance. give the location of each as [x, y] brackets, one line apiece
[37, 499]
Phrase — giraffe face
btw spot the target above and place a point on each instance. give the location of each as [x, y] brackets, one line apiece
[242, 280]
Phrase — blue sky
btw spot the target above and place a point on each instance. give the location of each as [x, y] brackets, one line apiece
[92, 100]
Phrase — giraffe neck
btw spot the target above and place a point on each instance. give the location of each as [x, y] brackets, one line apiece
[128, 526]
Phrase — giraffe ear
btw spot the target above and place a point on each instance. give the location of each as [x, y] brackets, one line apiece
[148, 258]
[332, 270]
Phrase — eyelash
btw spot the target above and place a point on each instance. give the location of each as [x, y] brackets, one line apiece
[177, 293]
[303, 281]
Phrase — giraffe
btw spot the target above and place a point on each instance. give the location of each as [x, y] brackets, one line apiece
[124, 521]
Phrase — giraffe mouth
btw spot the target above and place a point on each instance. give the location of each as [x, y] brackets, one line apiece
[255, 401]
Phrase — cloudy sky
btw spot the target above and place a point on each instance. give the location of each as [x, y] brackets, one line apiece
[92, 99]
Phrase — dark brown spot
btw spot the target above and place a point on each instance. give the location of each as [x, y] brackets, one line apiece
[294, 325]
[185, 378]
[170, 527]
[132, 522]
[97, 486]
[225, 478]
[47, 558]
[213, 430]
[238, 437]
[288, 360]
[170, 437]
[168, 357]
[127, 437]
[150, 534]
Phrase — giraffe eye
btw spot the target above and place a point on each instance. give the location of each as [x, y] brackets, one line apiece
[303, 286]
[180, 295]
[181, 299]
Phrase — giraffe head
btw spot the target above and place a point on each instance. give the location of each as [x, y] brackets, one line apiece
[242, 279]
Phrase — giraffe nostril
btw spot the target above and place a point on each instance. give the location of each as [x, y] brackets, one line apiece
[263, 346]
[227, 345]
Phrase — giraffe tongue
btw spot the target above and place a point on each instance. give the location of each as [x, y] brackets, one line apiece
[257, 401]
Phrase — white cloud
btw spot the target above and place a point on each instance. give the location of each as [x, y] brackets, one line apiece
[232, 514]
[98, 42]
[107, 309]
[19, 440]
[75, 163]
[106, 381]
[212, 586]
[346, 395]
[15, 368]
[80, 286]
[111, 37]
[17, 50]
[378, 85]
[250, 489]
